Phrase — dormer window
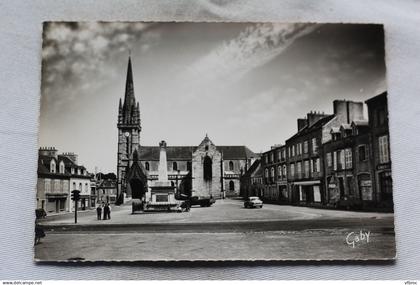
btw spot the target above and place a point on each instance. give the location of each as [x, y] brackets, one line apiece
[72, 170]
[62, 167]
[52, 166]
[78, 171]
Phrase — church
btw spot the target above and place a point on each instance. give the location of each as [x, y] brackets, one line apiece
[205, 169]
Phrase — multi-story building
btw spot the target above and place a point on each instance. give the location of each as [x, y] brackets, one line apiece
[381, 162]
[58, 175]
[305, 161]
[273, 163]
[347, 167]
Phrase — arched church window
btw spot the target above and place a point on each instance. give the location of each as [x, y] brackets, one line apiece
[231, 165]
[206, 148]
[231, 186]
[147, 166]
[207, 168]
[174, 166]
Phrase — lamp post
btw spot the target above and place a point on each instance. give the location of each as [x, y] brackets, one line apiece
[177, 186]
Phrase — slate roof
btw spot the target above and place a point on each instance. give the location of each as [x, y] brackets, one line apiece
[254, 168]
[318, 124]
[185, 152]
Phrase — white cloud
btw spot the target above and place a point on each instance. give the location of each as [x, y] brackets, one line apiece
[254, 47]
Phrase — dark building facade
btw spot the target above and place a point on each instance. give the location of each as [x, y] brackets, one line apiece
[338, 160]
[305, 158]
[274, 166]
[381, 163]
[347, 167]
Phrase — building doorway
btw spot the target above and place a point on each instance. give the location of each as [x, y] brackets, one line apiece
[231, 186]
[137, 189]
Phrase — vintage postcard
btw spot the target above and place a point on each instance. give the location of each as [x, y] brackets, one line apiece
[181, 141]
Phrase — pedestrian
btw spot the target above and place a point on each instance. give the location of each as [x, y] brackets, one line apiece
[109, 211]
[106, 211]
[99, 211]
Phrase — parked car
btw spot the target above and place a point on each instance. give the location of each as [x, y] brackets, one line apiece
[253, 202]
[202, 201]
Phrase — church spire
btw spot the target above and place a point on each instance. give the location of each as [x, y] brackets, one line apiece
[129, 99]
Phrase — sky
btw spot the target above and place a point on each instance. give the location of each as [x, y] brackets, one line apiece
[241, 83]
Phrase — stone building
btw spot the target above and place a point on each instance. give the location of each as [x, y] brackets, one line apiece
[381, 162]
[305, 161]
[273, 163]
[58, 175]
[347, 167]
[201, 170]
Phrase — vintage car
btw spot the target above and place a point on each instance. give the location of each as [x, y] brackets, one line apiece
[202, 201]
[253, 202]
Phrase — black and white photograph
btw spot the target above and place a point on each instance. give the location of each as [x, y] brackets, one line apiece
[213, 141]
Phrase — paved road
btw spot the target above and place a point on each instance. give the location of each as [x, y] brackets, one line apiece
[225, 231]
[221, 211]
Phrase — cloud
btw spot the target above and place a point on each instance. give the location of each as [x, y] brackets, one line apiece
[255, 46]
[74, 52]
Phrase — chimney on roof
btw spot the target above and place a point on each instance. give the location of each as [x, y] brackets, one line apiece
[301, 123]
[71, 155]
[48, 151]
[348, 111]
[314, 116]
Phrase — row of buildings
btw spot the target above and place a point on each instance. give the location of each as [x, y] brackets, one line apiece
[59, 174]
[337, 160]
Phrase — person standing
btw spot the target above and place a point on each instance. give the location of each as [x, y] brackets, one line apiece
[109, 211]
[106, 210]
[99, 211]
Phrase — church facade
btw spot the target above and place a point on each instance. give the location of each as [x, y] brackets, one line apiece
[205, 169]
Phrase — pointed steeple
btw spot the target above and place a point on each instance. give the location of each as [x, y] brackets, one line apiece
[129, 99]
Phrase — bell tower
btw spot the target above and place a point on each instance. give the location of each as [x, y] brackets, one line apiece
[129, 128]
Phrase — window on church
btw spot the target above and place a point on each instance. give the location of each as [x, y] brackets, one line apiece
[147, 166]
[174, 166]
[231, 165]
[207, 168]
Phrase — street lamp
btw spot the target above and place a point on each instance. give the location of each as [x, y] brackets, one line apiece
[177, 186]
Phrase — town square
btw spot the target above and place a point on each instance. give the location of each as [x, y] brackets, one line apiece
[322, 192]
